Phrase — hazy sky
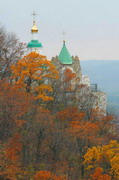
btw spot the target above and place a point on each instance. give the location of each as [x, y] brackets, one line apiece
[92, 26]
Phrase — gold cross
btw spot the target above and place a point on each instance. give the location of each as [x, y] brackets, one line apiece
[64, 33]
[34, 15]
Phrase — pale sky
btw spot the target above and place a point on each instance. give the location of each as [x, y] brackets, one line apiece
[92, 26]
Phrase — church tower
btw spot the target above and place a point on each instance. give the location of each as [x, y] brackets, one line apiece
[34, 44]
[80, 92]
[64, 56]
[65, 61]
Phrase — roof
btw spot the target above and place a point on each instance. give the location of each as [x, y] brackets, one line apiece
[64, 55]
[34, 44]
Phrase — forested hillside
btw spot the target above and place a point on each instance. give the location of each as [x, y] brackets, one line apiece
[45, 134]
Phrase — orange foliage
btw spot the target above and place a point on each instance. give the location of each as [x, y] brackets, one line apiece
[68, 75]
[46, 175]
[106, 123]
[99, 176]
[14, 104]
[10, 158]
[33, 72]
[78, 126]
[15, 100]
[70, 114]
[68, 79]
[85, 130]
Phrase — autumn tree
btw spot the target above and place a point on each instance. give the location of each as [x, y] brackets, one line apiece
[98, 175]
[43, 142]
[10, 167]
[14, 104]
[86, 132]
[68, 80]
[105, 157]
[59, 141]
[38, 128]
[11, 49]
[63, 90]
[34, 72]
[47, 175]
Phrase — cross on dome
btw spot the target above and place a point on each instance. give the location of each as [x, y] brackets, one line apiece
[34, 28]
[64, 34]
[34, 15]
[34, 45]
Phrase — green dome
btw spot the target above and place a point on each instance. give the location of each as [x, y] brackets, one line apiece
[34, 44]
[64, 56]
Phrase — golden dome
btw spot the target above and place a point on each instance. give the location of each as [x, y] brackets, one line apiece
[34, 28]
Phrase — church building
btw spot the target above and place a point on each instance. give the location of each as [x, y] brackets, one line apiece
[34, 44]
[87, 96]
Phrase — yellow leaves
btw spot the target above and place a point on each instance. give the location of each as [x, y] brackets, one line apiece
[43, 87]
[41, 91]
[92, 157]
[44, 98]
[108, 154]
[32, 72]
[90, 167]
[115, 166]
[110, 150]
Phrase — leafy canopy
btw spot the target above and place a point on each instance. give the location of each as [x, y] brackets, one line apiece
[34, 73]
